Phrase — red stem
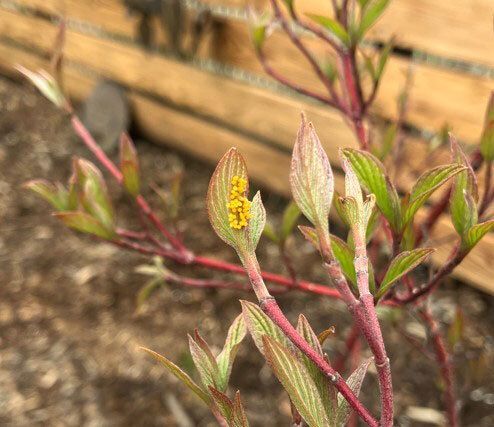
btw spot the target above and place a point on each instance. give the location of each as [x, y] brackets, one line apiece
[271, 308]
[89, 141]
[354, 91]
[446, 367]
[307, 54]
[294, 86]
[270, 277]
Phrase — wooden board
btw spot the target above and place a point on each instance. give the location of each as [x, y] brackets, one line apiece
[271, 118]
[456, 29]
[438, 96]
[183, 131]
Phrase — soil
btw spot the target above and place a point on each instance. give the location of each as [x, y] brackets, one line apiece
[70, 337]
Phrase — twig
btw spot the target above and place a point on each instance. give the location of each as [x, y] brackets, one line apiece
[455, 258]
[445, 366]
[294, 86]
[269, 305]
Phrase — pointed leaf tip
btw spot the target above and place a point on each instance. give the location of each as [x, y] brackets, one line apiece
[311, 177]
[402, 264]
[129, 165]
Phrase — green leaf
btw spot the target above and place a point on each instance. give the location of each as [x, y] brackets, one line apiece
[354, 381]
[350, 210]
[147, 290]
[181, 375]
[373, 178]
[363, 3]
[456, 329]
[258, 36]
[464, 193]
[259, 29]
[402, 264]
[223, 403]
[204, 361]
[475, 233]
[290, 217]
[344, 255]
[383, 58]
[356, 211]
[310, 235]
[85, 223]
[487, 139]
[297, 382]
[427, 183]
[257, 222]
[93, 192]
[129, 165]
[259, 325]
[326, 391]
[55, 194]
[243, 240]
[225, 359]
[388, 141]
[46, 84]
[232, 411]
[371, 15]
[270, 233]
[333, 26]
[239, 418]
[311, 178]
[231, 164]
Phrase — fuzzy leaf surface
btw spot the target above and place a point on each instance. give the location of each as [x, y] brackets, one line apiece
[464, 194]
[84, 223]
[239, 418]
[231, 164]
[354, 381]
[204, 362]
[257, 222]
[427, 183]
[475, 233]
[236, 334]
[372, 176]
[297, 382]
[181, 375]
[311, 177]
[402, 264]
[259, 325]
[243, 240]
[326, 391]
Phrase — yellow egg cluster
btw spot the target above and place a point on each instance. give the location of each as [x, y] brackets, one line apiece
[239, 205]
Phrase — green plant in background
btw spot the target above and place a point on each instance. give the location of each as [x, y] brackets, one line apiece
[373, 268]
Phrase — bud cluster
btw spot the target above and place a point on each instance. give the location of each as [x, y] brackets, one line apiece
[239, 205]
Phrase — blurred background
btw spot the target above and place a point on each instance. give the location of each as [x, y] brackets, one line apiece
[183, 77]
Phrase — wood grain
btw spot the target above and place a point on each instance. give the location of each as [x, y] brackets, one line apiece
[438, 97]
[456, 29]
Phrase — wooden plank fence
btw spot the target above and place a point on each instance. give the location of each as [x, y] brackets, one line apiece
[204, 113]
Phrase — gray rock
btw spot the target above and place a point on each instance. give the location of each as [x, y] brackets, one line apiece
[106, 114]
